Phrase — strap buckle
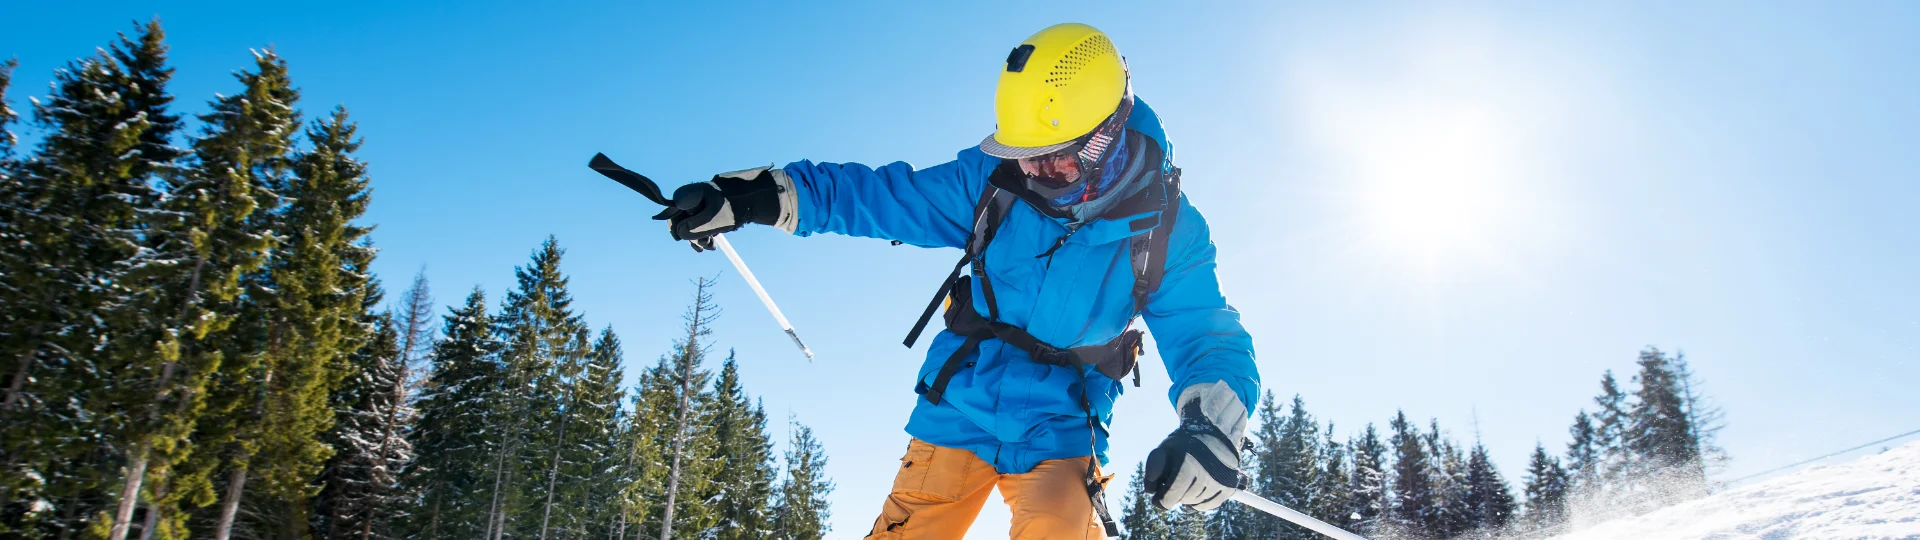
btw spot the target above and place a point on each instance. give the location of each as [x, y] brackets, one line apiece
[1048, 354]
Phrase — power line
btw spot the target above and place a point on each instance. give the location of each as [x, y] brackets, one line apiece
[1797, 464]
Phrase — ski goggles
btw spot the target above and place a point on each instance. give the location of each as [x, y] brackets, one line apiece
[1084, 156]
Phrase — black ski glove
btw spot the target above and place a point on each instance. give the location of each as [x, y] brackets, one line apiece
[761, 195]
[1198, 465]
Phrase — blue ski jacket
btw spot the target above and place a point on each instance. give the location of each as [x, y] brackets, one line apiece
[1003, 407]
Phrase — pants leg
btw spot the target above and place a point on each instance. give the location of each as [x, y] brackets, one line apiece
[1051, 501]
[936, 494]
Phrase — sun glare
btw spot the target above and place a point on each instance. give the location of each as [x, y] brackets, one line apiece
[1432, 151]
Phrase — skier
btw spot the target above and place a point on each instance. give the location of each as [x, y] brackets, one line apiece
[1072, 223]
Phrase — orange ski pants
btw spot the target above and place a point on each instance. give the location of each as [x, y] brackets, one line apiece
[939, 491]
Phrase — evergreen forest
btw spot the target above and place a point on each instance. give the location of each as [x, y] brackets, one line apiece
[1638, 450]
[195, 347]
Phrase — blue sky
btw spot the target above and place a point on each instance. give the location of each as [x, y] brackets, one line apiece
[1464, 210]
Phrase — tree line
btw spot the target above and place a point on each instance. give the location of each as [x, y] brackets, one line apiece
[1640, 450]
[193, 345]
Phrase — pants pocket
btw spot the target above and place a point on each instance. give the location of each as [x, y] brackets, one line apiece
[934, 472]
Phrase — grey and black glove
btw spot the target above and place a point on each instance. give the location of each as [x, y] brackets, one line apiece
[761, 195]
[1198, 465]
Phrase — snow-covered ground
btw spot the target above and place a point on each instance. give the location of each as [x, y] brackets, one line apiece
[1877, 496]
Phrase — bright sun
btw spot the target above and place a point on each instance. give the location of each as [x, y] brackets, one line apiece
[1433, 187]
[1432, 156]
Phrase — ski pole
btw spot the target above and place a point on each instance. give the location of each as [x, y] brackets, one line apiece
[646, 188]
[1276, 510]
[727, 248]
[1157, 477]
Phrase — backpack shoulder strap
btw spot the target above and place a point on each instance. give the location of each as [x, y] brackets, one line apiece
[987, 215]
[1150, 249]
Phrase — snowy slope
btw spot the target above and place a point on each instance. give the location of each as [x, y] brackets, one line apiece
[1877, 496]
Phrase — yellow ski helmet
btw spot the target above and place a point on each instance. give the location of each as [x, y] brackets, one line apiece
[1057, 86]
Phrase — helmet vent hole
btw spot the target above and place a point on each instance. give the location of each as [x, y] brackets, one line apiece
[1079, 57]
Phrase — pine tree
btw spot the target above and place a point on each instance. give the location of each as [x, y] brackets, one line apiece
[1583, 451]
[682, 434]
[1490, 504]
[642, 471]
[582, 506]
[7, 118]
[1546, 492]
[457, 438]
[1188, 524]
[415, 323]
[801, 511]
[198, 243]
[743, 484]
[1297, 456]
[1610, 430]
[541, 346]
[1369, 500]
[1412, 513]
[246, 151]
[70, 215]
[1598, 457]
[1267, 468]
[1660, 434]
[1449, 469]
[1332, 487]
[1704, 417]
[360, 495]
[1142, 519]
[319, 279]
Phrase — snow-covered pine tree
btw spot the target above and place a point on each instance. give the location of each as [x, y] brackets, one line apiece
[144, 58]
[1660, 434]
[211, 237]
[1265, 469]
[1705, 417]
[1332, 487]
[1188, 524]
[1490, 504]
[316, 282]
[1368, 502]
[301, 319]
[1610, 425]
[1583, 453]
[584, 495]
[540, 334]
[743, 484]
[1603, 479]
[1141, 519]
[457, 438]
[801, 511]
[1294, 458]
[360, 493]
[70, 216]
[1412, 513]
[1449, 470]
[7, 118]
[1546, 492]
